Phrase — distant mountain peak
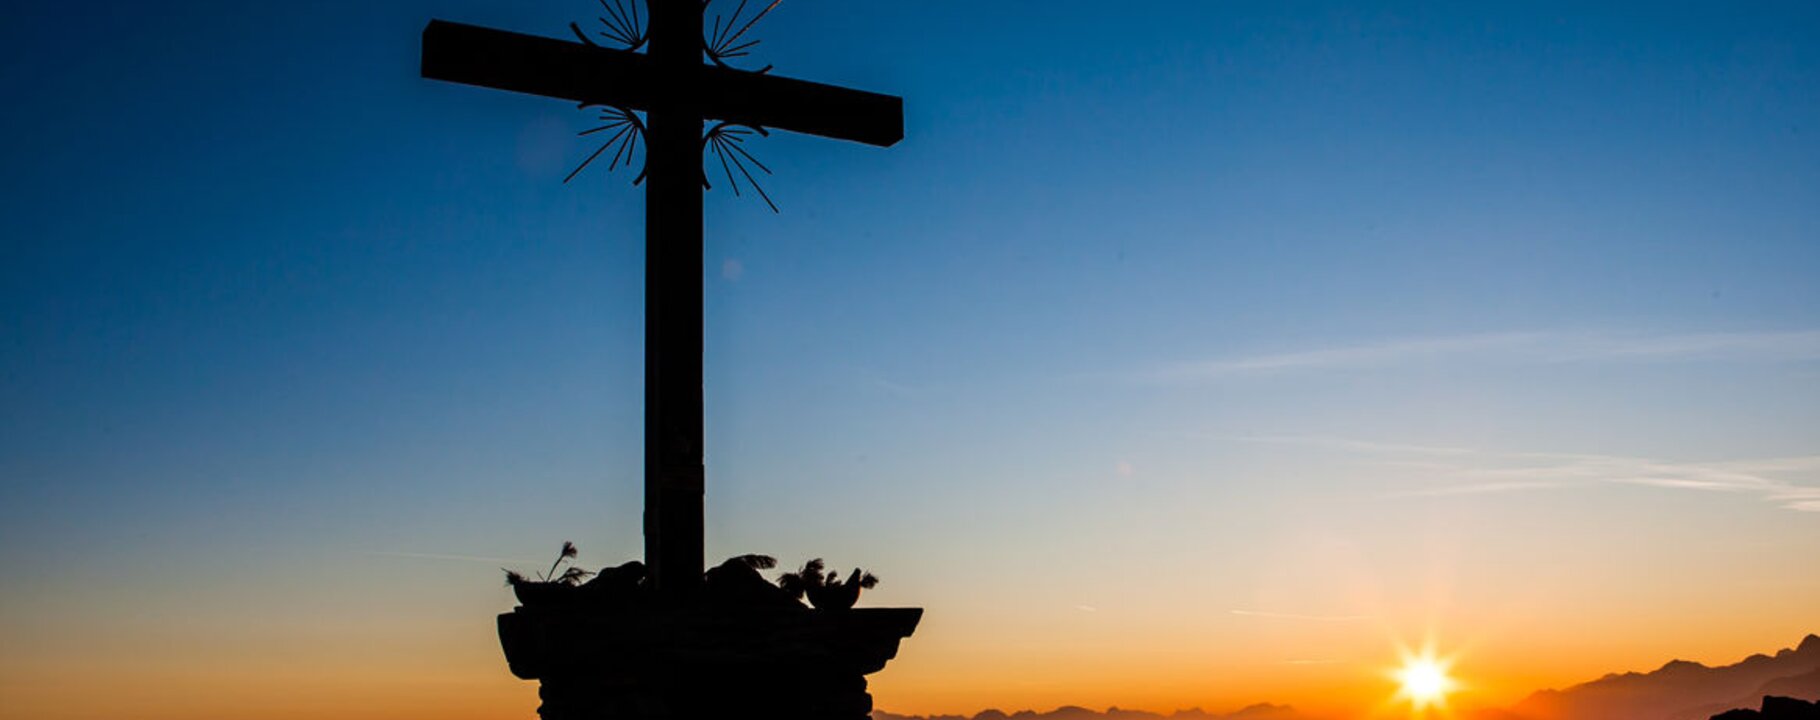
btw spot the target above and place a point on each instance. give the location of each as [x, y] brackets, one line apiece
[1683, 689]
[1259, 711]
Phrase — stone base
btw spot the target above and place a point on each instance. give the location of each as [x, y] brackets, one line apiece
[703, 663]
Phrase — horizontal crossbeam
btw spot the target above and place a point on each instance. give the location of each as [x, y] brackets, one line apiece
[503, 60]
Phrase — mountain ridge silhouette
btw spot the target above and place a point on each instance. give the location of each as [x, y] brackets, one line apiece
[1678, 690]
[1257, 711]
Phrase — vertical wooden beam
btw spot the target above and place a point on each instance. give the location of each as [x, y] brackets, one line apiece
[674, 471]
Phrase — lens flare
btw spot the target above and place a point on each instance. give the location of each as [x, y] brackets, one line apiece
[1423, 679]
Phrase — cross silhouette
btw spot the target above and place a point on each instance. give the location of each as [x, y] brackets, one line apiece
[677, 91]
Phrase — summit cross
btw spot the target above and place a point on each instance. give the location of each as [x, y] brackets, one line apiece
[678, 92]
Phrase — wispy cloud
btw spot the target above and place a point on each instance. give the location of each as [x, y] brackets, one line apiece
[1788, 482]
[1364, 446]
[876, 381]
[1483, 488]
[1299, 616]
[1512, 347]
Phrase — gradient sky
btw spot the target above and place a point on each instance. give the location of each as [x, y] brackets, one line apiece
[1182, 354]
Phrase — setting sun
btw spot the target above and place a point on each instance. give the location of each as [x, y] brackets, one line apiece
[1424, 681]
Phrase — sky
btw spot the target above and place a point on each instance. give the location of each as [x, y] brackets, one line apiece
[1182, 354]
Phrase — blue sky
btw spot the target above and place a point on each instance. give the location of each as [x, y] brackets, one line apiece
[1142, 285]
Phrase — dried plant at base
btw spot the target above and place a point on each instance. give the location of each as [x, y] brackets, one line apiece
[798, 582]
[569, 576]
[756, 561]
[824, 588]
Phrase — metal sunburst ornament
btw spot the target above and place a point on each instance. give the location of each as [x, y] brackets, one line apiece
[721, 42]
[628, 133]
[725, 140]
[623, 26]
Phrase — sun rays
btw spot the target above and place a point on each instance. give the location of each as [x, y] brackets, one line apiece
[1423, 679]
